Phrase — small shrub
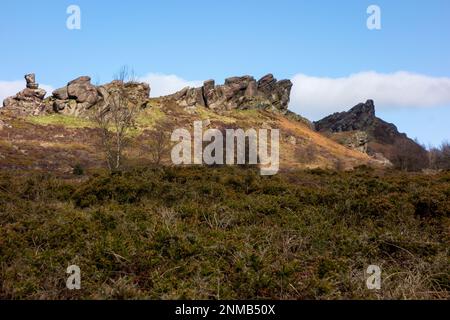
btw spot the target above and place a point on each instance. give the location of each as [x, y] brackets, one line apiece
[78, 170]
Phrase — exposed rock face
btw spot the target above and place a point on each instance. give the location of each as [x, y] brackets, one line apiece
[360, 117]
[238, 93]
[370, 134]
[28, 101]
[358, 141]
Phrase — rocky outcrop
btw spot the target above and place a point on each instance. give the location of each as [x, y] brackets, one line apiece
[360, 117]
[80, 96]
[82, 91]
[77, 98]
[28, 101]
[368, 133]
[358, 140]
[136, 92]
[238, 93]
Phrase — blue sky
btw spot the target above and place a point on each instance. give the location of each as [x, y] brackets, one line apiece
[197, 40]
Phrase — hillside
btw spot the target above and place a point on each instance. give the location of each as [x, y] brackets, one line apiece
[154, 230]
[57, 133]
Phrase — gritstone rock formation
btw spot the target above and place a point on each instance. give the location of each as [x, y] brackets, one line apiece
[79, 96]
[29, 100]
[238, 93]
[360, 117]
[360, 129]
[76, 98]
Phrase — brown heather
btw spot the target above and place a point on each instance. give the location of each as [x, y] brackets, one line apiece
[225, 233]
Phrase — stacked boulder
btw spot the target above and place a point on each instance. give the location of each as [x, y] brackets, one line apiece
[238, 93]
[28, 101]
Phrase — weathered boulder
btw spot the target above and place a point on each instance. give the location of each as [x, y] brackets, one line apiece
[76, 98]
[189, 97]
[31, 94]
[252, 89]
[210, 94]
[31, 81]
[281, 94]
[267, 83]
[82, 90]
[61, 93]
[30, 78]
[70, 107]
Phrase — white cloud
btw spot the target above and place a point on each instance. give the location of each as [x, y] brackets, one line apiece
[316, 97]
[10, 88]
[47, 88]
[163, 84]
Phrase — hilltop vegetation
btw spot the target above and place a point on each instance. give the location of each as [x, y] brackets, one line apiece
[225, 233]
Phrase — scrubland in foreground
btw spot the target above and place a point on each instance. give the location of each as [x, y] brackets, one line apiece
[225, 233]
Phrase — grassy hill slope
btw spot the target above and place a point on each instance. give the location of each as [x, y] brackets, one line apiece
[57, 142]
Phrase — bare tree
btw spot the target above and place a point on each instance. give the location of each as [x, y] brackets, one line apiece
[126, 74]
[157, 141]
[442, 156]
[445, 149]
[115, 119]
[409, 156]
